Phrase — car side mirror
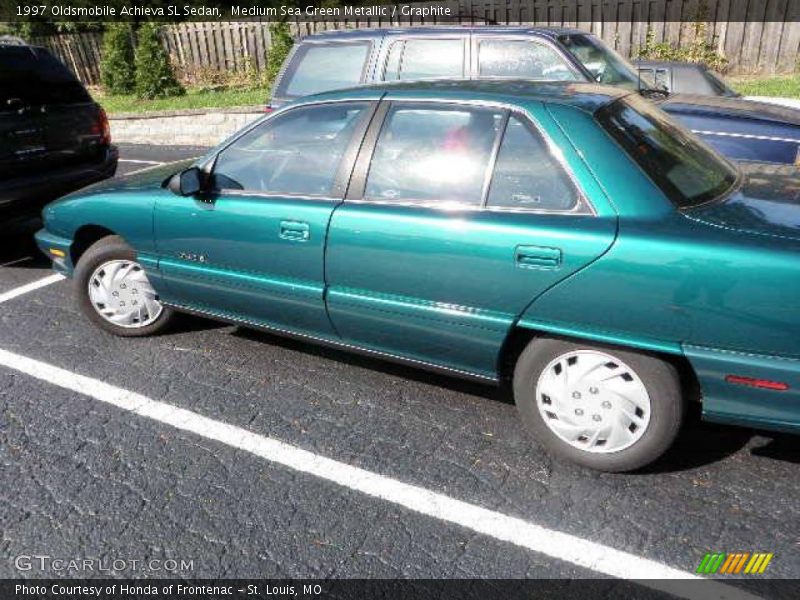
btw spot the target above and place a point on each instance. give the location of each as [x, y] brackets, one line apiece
[186, 183]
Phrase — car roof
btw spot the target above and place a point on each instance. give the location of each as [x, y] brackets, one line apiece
[585, 96]
[443, 29]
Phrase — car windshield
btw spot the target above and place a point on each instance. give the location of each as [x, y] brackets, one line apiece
[606, 65]
[687, 170]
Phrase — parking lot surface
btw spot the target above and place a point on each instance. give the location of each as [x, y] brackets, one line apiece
[84, 476]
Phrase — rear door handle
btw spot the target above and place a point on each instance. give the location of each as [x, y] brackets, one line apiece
[537, 257]
[296, 231]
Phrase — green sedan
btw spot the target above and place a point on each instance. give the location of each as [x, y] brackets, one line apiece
[569, 240]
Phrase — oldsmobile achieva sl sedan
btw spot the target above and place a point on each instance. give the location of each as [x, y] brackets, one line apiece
[567, 237]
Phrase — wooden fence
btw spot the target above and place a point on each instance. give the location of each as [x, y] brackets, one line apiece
[755, 37]
[195, 49]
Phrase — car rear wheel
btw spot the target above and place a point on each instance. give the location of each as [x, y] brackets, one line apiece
[599, 406]
[114, 292]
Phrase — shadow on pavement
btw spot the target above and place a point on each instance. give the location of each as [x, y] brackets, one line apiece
[783, 447]
[18, 246]
[382, 366]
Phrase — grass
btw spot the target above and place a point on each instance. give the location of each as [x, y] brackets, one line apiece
[787, 86]
[194, 98]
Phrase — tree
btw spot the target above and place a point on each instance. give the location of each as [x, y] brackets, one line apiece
[116, 64]
[281, 43]
[154, 76]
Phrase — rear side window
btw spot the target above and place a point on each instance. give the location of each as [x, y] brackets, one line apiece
[523, 59]
[34, 77]
[296, 153]
[434, 155]
[687, 170]
[425, 59]
[322, 67]
[527, 176]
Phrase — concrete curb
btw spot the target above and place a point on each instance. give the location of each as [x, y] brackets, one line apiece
[194, 126]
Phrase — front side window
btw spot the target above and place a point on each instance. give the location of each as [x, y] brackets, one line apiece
[522, 59]
[430, 154]
[425, 59]
[527, 176]
[603, 63]
[322, 67]
[296, 153]
[688, 171]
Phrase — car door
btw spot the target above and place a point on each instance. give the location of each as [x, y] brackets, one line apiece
[251, 247]
[457, 217]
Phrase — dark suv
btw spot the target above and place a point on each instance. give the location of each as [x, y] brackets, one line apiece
[741, 130]
[53, 137]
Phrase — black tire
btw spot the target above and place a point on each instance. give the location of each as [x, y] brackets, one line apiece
[107, 249]
[660, 379]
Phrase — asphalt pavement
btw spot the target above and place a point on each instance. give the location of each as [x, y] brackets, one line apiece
[85, 475]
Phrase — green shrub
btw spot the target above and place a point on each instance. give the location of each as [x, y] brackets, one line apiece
[699, 50]
[154, 76]
[116, 64]
[281, 44]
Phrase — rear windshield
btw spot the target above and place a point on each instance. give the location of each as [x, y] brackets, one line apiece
[321, 67]
[687, 170]
[33, 77]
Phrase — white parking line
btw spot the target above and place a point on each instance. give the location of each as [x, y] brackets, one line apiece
[29, 287]
[143, 162]
[583, 553]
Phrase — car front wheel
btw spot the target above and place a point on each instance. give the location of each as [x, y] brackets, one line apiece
[599, 406]
[114, 292]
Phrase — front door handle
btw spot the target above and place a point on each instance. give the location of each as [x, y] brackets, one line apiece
[537, 257]
[295, 231]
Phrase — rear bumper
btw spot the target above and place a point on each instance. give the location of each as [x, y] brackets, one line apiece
[740, 404]
[28, 195]
[57, 249]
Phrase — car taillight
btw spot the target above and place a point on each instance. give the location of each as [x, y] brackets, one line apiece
[103, 127]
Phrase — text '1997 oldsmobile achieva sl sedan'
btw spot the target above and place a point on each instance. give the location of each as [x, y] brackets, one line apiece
[567, 237]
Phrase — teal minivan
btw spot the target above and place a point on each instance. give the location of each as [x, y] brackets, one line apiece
[568, 238]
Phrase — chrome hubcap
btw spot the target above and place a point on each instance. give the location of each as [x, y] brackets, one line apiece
[593, 401]
[122, 295]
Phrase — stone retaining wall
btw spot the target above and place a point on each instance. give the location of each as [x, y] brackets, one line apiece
[194, 127]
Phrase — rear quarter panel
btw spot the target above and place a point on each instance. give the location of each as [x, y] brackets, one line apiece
[670, 279]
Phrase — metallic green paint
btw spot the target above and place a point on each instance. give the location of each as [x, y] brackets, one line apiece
[743, 405]
[413, 279]
[717, 285]
[251, 268]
